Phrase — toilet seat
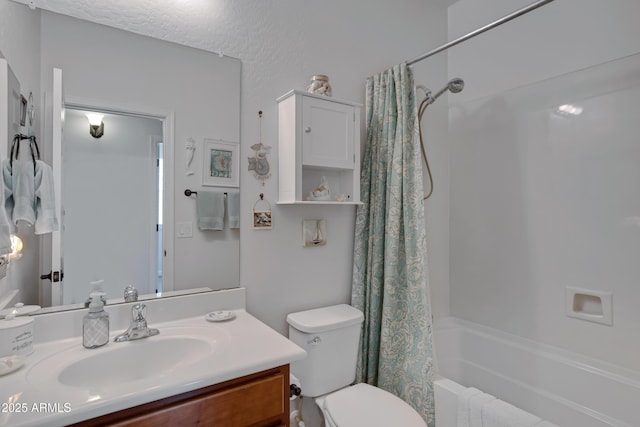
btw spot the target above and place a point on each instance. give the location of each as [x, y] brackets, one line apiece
[366, 405]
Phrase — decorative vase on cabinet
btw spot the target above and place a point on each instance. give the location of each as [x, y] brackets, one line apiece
[318, 141]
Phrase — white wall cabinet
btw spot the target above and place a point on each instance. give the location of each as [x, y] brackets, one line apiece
[318, 137]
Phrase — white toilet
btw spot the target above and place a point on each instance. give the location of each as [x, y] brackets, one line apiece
[330, 336]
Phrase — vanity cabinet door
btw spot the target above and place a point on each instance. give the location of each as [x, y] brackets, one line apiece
[260, 400]
[328, 133]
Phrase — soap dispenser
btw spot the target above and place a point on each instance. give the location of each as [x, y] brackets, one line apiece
[95, 324]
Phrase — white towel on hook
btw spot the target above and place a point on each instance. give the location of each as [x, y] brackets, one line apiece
[29, 196]
[5, 229]
[210, 210]
[46, 219]
[20, 187]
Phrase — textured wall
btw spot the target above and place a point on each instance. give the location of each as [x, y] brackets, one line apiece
[281, 44]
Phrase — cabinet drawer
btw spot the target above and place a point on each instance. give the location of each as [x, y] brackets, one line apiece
[257, 400]
[245, 405]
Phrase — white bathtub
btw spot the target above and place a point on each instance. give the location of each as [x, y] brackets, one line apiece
[562, 387]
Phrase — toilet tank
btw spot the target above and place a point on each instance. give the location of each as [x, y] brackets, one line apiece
[330, 336]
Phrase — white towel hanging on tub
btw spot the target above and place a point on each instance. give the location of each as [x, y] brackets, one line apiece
[502, 414]
[464, 399]
[477, 402]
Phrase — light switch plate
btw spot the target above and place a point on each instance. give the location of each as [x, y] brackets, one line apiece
[184, 230]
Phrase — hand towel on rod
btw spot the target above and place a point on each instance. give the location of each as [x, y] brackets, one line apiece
[233, 209]
[210, 210]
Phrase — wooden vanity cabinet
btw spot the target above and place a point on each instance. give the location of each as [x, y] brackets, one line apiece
[257, 400]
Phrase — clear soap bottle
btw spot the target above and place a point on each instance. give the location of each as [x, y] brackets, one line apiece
[95, 324]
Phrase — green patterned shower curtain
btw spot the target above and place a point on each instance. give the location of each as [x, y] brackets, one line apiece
[389, 272]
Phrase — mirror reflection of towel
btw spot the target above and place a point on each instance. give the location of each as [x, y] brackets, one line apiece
[5, 230]
[233, 207]
[28, 196]
[210, 210]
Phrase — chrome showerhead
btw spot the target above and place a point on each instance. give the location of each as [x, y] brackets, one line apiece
[455, 85]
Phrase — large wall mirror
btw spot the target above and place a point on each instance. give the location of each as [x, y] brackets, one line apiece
[125, 217]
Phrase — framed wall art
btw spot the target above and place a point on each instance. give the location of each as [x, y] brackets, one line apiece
[221, 166]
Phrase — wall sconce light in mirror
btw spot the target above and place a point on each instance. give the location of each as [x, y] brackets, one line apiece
[16, 247]
[96, 125]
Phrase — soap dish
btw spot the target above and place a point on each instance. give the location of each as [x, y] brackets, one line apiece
[220, 316]
[10, 364]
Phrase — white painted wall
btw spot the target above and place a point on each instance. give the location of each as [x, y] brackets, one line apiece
[108, 199]
[541, 201]
[289, 42]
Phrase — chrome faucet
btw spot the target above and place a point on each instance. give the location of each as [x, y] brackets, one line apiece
[138, 328]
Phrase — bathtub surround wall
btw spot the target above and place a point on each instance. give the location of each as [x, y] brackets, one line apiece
[552, 383]
[542, 200]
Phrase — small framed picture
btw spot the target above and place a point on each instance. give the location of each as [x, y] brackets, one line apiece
[221, 163]
[262, 220]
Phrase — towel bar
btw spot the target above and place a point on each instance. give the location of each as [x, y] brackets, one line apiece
[188, 192]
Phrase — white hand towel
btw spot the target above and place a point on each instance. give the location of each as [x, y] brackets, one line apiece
[7, 180]
[463, 405]
[46, 219]
[210, 210]
[502, 414]
[5, 229]
[476, 403]
[233, 209]
[21, 182]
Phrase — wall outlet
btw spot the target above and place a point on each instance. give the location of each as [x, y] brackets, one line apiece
[184, 230]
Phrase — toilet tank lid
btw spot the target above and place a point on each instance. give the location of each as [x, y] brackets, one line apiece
[325, 318]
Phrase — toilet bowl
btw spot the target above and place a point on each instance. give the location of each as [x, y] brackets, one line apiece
[366, 405]
[330, 336]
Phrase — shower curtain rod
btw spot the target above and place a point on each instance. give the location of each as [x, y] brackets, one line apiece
[481, 30]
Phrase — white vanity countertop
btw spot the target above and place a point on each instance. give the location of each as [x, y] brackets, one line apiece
[33, 396]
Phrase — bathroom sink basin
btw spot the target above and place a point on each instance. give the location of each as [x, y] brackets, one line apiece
[174, 351]
[134, 360]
